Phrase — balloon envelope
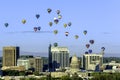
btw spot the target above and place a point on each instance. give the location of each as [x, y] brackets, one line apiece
[39, 28]
[65, 25]
[87, 45]
[66, 33]
[103, 48]
[85, 32]
[58, 11]
[59, 16]
[35, 29]
[49, 10]
[90, 51]
[37, 16]
[55, 31]
[76, 36]
[23, 21]
[56, 20]
[69, 24]
[50, 23]
[91, 41]
[6, 24]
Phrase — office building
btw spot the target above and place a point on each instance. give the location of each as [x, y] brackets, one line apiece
[10, 56]
[92, 61]
[58, 57]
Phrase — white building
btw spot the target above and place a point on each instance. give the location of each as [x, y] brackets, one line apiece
[58, 57]
[91, 61]
[23, 62]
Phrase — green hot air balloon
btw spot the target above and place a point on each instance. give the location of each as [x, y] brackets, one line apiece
[50, 24]
[76, 36]
[55, 31]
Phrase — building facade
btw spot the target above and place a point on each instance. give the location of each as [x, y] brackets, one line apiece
[92, 61]
[58, 57]
[23, 62]
[10, 56]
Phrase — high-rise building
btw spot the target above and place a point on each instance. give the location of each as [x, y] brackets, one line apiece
[38, 64]
[10, 56]
[58, 57]
[92, 61]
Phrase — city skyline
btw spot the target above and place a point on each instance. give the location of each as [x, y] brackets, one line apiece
[99, 18]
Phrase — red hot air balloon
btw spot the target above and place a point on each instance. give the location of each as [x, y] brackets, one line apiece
[87, 45]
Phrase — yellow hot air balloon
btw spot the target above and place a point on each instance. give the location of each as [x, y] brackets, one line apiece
[65, 25]
[23, 21]
[76, 36]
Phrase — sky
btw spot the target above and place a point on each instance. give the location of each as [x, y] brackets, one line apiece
[99, 17]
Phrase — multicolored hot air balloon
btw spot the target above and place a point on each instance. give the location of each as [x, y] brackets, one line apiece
[103, 48]
[49, 10]
[91, 41]
[69, 24]
[65, 25]
[35, 29]
[37, 16]
[55, 31]
[58, 11]
[59, 16]
[85, 32]
[50, 24]
[76, 36]
[23, 21]
[90, 50]
[87, 45]
[56, 20]
[66, 33]
[6, 24]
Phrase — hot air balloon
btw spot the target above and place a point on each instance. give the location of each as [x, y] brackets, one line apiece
[50, 23]
[6, 24]
[59, 16]
[65, 25]
[76, 36]
[58, 11]
[55, 44]
[69, 24]
[86, 52]
[23, 21]
[49, 10]
[55, 31]
[35, 29]
[87, 45]
[56, 20]
[85, 32]
[37, 16]
[91, 41]
[103, 48]
[66, 33]
[39, 28]
[90, 51]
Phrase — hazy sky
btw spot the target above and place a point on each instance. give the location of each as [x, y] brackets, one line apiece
[101, 18]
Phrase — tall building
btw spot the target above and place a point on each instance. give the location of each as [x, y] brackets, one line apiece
[10, 56]
[38, 64]
[58, 57]
[92, 61]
